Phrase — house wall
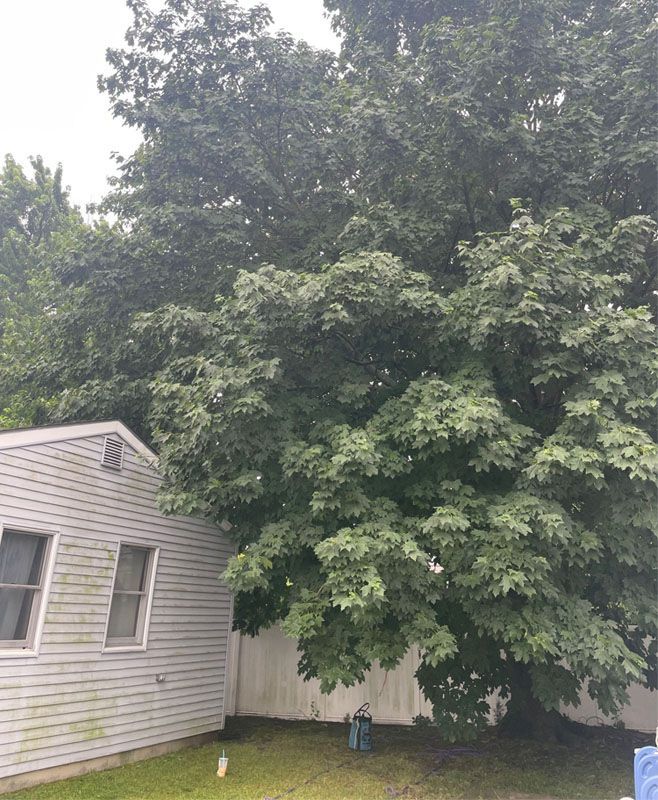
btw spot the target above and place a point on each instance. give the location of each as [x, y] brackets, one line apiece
[73, 702]
[264, 681]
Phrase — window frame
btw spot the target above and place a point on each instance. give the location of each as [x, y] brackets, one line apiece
[32, 643]
[139, 643]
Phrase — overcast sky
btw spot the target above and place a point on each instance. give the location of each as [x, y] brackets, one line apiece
[50, 54]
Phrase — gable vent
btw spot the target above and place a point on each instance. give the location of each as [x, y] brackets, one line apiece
[112, 453]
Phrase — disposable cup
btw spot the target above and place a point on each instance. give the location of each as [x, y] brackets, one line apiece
[222, 766]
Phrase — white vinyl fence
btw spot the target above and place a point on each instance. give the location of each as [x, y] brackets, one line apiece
[264, 682]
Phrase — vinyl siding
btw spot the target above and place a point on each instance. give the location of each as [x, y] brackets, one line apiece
[73, 702]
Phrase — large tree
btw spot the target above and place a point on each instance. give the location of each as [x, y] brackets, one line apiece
[450, 447]
[430, 416]
[472, 473]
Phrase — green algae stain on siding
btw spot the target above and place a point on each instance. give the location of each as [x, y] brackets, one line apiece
[94, 733]
[82, 638]
[37, 708]
[91, 728]
[88, 727]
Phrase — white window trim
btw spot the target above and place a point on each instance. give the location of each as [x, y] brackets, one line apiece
[133, 648]
[48, 569]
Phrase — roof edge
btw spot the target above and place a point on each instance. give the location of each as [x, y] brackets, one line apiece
[22, 437]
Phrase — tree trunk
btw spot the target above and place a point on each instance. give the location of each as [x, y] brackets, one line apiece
[526, 717]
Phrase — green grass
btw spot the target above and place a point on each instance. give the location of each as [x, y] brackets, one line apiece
[310, 761]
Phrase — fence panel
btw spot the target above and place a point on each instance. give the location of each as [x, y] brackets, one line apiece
[264, 682]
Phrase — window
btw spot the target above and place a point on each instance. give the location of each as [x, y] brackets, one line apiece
[127, 625]
[23, 559]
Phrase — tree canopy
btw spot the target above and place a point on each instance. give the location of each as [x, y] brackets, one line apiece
[390, 313]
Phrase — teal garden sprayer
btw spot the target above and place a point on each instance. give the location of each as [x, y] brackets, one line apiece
[361, 729]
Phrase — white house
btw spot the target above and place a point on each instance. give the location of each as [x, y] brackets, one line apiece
[114, 625]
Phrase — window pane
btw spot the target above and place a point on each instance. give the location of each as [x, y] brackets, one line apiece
[21, 557]
[15, 609]
[131, 570]
[124, 614]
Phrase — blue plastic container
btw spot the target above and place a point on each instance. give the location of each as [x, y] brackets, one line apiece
[645, 769]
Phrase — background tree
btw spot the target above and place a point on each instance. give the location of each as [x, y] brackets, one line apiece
[36, 222]
[478, 103]
[258, 149]
[238, 165]
[32, 210]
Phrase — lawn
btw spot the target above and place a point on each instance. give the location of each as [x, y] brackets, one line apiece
[276, 760]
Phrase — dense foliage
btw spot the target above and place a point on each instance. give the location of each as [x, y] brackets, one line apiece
[390, 314]
[473, 474]
[36, 223]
